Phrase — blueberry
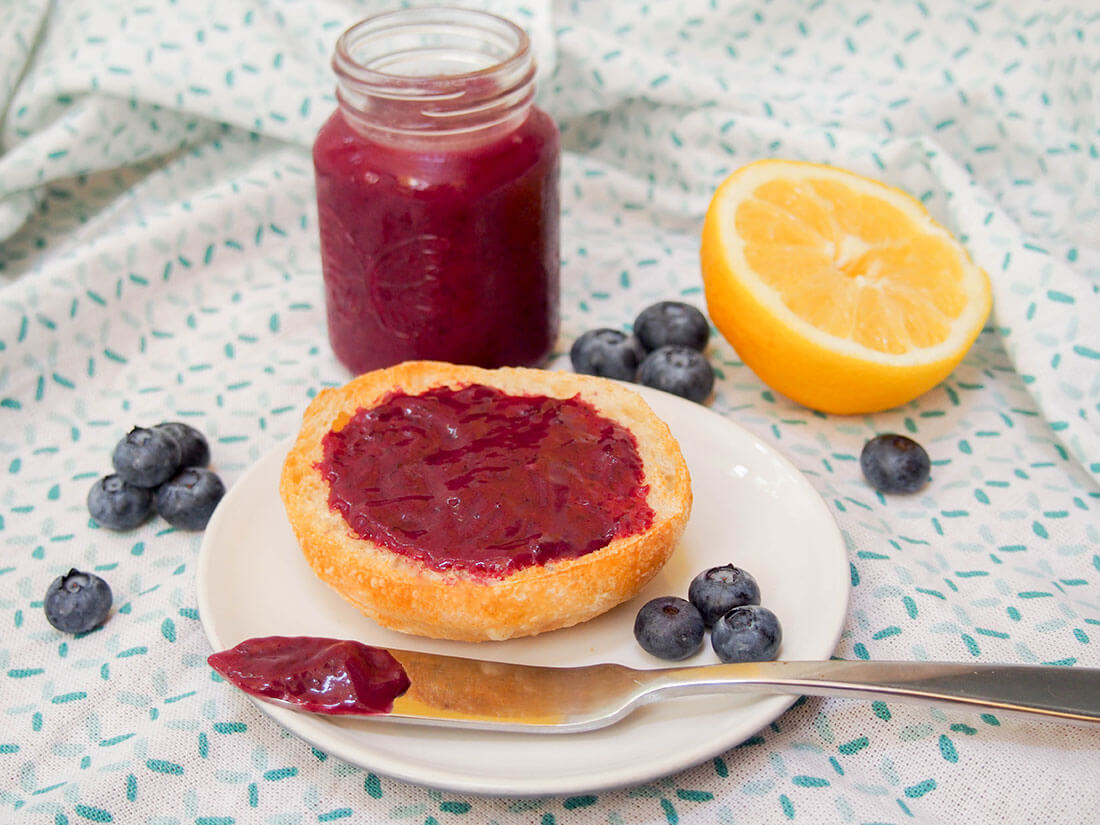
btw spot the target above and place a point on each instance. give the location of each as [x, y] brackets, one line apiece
[77, 602]
[188, 499]
[679, 370]
[720, 589]
[749, 633]
[194, 449]
[118, 505]
[671, 323]
[895, 464]
[608, 353]
[146, 457]
[669, 627]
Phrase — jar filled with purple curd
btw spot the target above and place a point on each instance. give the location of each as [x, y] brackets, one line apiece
[437, 194]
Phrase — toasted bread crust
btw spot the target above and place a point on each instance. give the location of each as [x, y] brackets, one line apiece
[406, 595]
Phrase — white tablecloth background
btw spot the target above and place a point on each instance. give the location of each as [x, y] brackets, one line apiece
[159, 260]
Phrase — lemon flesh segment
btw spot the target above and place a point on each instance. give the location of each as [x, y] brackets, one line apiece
[850, 265]
[839, 272]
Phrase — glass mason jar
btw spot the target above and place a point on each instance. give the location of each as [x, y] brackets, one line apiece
[437, 194]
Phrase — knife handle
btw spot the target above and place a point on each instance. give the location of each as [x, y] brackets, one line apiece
[1066, 694]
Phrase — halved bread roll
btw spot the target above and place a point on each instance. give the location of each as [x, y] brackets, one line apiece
[426, 594]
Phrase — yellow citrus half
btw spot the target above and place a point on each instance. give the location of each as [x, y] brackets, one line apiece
[840, 292]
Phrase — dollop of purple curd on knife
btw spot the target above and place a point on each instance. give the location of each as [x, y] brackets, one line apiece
[333, 676]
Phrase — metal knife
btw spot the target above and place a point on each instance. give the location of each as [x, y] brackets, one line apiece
[471, 693]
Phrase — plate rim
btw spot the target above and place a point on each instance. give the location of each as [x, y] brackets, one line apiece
[310, 728]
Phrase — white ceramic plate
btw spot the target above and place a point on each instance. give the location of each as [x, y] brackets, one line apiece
[752, 508]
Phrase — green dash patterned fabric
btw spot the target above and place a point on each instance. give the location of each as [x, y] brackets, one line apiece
[159, 260]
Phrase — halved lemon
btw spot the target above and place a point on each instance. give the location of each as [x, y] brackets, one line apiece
[840, 292]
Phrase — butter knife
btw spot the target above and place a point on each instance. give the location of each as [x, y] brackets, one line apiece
[470, 693]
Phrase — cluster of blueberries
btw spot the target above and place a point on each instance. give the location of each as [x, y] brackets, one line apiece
[727, 600]
[664, 352]
[162, 468]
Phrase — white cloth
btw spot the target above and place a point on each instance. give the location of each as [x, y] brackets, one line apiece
[158, 247]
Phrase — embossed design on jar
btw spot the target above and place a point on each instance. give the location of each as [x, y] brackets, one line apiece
[408, 283]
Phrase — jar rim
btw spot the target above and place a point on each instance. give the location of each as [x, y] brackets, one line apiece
[345, 64]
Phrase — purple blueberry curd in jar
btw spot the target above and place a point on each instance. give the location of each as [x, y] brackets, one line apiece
[437, 195]
[477, 480]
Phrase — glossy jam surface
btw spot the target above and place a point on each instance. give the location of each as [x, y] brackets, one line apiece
[315, 674]
[448, 255]
[477, 480]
